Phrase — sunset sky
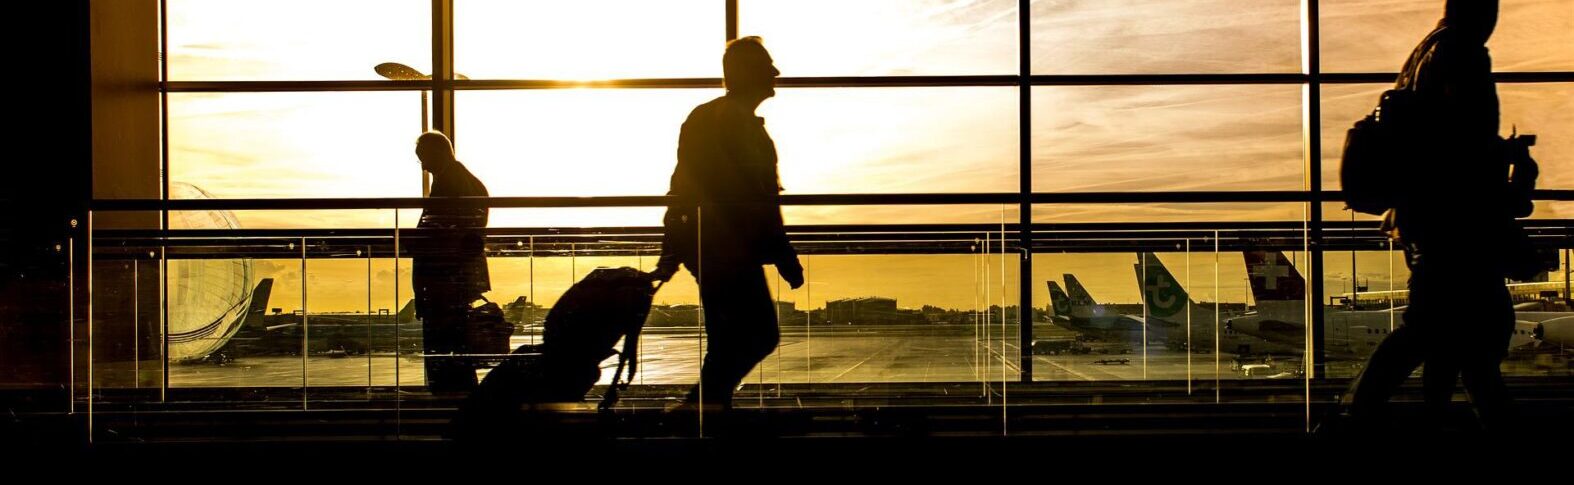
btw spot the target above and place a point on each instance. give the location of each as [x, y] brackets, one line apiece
[831, 140]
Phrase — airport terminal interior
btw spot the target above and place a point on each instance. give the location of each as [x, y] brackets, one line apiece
[1017, 222]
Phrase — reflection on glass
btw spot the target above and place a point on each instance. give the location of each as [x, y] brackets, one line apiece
[125, 324]
[208, 298]
[1165, 37]
[295, 40]
[885, 37]
[1165, 138]
[265, 348]
[338, 326]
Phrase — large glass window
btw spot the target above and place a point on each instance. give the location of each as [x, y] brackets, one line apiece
[295, 40]
[296, 145]
[505, 39]
[1531, 35]
[1160, 146]
[1166, 138]
[885, 37]
[1165, 37]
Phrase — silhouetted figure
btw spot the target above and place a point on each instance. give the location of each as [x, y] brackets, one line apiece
[727, 223]
[1454, 218]
[448, 266]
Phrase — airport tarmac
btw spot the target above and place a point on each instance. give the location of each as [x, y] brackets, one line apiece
[807, 355]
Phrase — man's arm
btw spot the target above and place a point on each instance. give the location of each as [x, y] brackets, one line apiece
[780, 249]
[679, 224]
[783, 255]
[677, 239]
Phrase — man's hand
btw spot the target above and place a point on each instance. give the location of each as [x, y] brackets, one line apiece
[1523, 172]
[664, 273]
[792, 272]
[1526, 170]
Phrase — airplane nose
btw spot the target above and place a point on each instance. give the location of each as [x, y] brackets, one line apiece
[1247, 326]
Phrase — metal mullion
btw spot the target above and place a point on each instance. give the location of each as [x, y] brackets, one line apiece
[1312, 129]
[1025, 186]
[732, 20]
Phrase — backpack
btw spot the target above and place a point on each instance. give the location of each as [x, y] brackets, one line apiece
[588, 320]
[1378, 147]
[580, 331]
[487, 332]
[1375, 152]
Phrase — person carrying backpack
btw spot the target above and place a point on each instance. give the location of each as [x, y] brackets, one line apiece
[1450, 189]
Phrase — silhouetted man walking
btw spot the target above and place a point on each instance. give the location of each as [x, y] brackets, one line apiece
[1455, 220]
[448, 265]
[727, 222]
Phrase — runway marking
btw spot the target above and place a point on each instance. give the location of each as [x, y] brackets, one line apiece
[1084, 377]
[862, 362]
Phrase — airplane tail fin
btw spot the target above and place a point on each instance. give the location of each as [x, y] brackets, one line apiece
[1078, 294]
[406, 313]
[1162, 294]
[259, 304]
[1274, 277]
[1060, 303]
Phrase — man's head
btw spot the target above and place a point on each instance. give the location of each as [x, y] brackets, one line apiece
[434, 150]
[1472, 20]
[747, 69]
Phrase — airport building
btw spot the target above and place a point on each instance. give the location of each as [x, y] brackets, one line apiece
[225, 241]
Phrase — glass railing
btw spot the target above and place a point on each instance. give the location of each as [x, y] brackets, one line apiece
[1164, 306]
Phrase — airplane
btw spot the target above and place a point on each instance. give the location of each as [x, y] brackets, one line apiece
[1527, 296]
[1079, 313]
[332, 334]
[1169, 308]
[1557, 331]
[1280, 314]
[256, 307]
